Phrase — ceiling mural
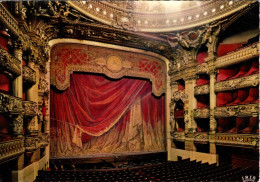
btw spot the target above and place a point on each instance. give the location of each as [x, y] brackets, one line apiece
[157, 16]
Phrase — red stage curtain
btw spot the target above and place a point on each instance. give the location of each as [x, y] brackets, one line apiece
[153, 109]
[94, 104]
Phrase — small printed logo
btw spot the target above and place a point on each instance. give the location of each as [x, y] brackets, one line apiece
[249, 178]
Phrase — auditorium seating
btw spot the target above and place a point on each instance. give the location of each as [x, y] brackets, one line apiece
[183, 170]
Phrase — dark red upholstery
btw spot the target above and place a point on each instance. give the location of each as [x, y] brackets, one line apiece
[201, 57]
[4, 82]
[223, 98]
[252, 126]
[254, 68]
[223, 49]
[202, 80]
[242, 70]
[226, 73]
[202, 101]
[242, 94]
[253, 96]
[4, 40]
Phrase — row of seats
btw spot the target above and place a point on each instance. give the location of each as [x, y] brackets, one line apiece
[184, 170]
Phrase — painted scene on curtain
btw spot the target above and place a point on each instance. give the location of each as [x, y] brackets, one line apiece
[98, 115]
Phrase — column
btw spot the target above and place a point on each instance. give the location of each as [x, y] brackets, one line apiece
[17, 91]
[190, 83]
[17, 88]
[190, 127]
[213, 123]
[171, 88]
[32, 95]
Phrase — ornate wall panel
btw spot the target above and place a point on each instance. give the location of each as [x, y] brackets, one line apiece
[69, 58]
[248, 81]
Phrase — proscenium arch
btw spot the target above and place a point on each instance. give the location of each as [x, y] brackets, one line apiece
[134, 50]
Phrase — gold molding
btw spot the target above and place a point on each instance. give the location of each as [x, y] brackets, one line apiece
[158, 22]
[248, 81]
[200, 90]
[238, 56]
[238, 110]
[11, 149]
[201, 113]
[237, 139]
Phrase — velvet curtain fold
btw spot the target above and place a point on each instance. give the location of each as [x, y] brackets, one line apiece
[93, 105]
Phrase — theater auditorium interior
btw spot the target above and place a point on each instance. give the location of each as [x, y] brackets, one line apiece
[129, 90]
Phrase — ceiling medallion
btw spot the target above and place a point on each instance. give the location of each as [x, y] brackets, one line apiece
[158, 16]
[114, 63]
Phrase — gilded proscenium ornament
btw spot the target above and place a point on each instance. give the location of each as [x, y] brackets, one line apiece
[43, 85]
[11, 149]
[243, 82]
[105, 34]
[201, 113]
[68, 58]
[237, 139]
[238, 110]
[238, 56]
[9, 62]
[10, 104]
[29, 75]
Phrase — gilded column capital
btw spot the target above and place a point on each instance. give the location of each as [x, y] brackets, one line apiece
[212, 71]
[174, 83]
[17, 125]
[190, 77]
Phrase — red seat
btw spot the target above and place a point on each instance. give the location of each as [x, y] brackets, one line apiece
[254, 68]
[223, 98]
[242, 94]
[253, 95]
[222, 124]
[242, 71]
[253, 123]
[225, 73]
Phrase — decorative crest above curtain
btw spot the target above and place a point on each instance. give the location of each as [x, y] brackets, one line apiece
[69, 58]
